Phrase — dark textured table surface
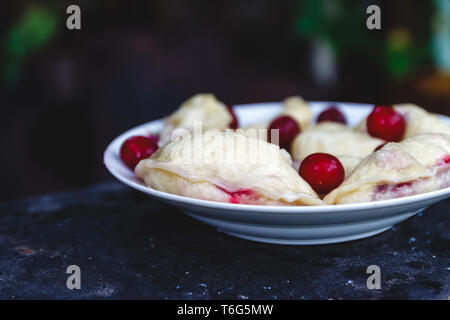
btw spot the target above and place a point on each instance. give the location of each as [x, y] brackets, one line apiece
[130, 246]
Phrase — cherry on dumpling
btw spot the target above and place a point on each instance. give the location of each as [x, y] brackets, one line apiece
[323, 172]
[332, 114]
[288, 130]
[137, 148]
[386, 123]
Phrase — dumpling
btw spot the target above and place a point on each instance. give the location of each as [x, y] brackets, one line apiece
[295, 107]
[212, 113]
[418, 121]
[298, 109]
[226, 167]
[333, 138]
[417, 165]
[349, 163]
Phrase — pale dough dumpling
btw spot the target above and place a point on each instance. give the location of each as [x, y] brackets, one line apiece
[417, 165]
[418, 121]
[295, 107]
[226, 167]
[298, 109]
[212, 113]
[333, 138]
[349, 163]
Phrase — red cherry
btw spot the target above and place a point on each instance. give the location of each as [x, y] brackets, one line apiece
[288, 130]
[387, 124]
[136, 148]
[332, 114]
[234, 124]
[323, 172]
[154, 137]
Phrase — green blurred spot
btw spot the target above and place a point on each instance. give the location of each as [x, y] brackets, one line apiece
[402, 56]
[342, 24]
[32, 31]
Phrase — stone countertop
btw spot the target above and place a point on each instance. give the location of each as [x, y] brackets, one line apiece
[130, 246]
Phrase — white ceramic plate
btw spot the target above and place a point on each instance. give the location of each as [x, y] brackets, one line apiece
[277, 224]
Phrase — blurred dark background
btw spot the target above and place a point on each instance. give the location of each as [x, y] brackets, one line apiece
[66, 94]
